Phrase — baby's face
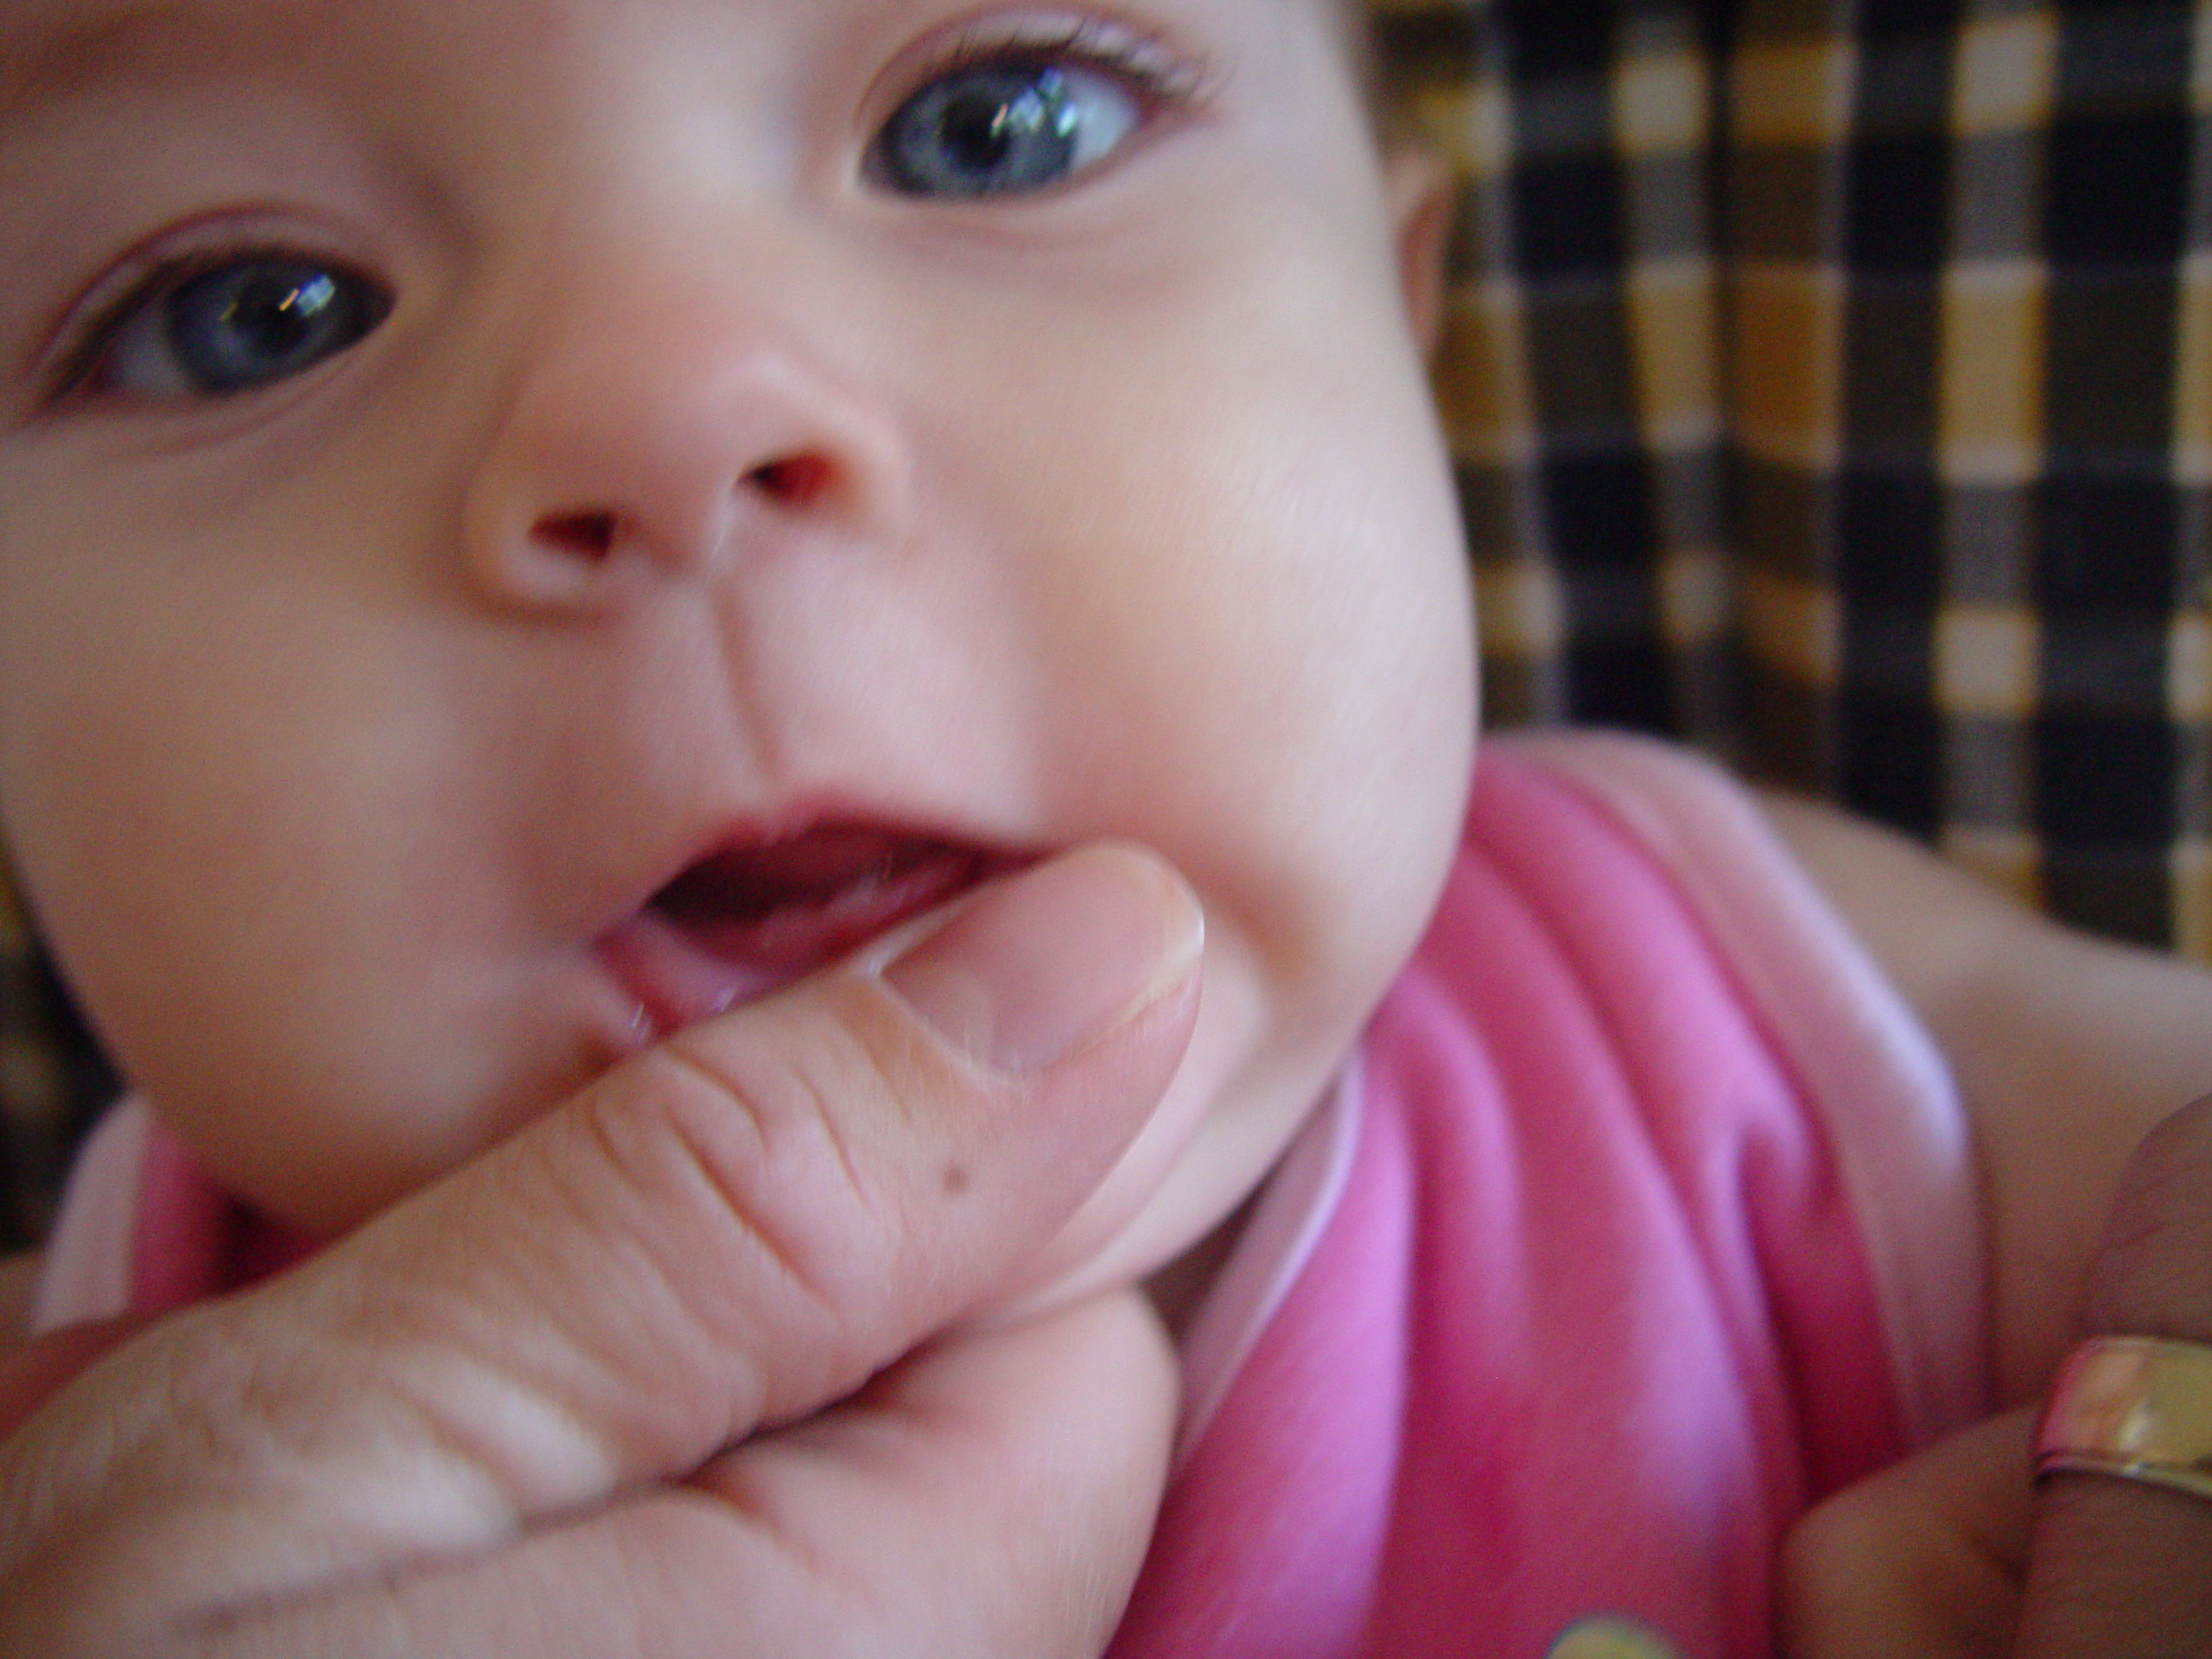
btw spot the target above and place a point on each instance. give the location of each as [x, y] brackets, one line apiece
[464, 467]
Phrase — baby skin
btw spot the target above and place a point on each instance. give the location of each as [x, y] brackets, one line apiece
[547, 547]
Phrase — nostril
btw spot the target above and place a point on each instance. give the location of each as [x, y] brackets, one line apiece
[794, 481]
[590, 535]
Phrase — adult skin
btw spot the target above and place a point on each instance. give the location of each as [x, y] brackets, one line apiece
[571, 1399]
[2118, 1568]
[1945, 1556]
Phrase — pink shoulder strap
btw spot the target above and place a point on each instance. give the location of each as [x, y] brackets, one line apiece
[143, 1228]
[1870, 1075]
[84, 1272]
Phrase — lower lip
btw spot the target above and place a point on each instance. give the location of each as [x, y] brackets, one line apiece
[680, 972]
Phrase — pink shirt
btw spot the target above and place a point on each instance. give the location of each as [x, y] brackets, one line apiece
[1643, 1217]
[1646, 1218]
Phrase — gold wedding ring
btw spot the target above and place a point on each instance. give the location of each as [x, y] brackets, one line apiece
[2137, 1407]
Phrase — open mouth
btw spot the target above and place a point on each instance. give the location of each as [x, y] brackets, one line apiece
[743, 921]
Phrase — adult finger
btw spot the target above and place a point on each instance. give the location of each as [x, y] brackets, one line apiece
[1923, 1558]
[992, 1495]
[34, 1370]
[2122, 1570]
[732, 1230]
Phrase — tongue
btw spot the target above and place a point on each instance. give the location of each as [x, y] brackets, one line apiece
[739, 925]
[746, 918]
[818, 869]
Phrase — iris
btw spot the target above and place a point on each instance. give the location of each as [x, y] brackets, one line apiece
[995, 128]
[259, 320]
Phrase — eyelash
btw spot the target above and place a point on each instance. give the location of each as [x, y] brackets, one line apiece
[1163, 77]
[84, 345]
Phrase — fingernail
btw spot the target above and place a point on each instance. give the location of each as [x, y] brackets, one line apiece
[1054, 958]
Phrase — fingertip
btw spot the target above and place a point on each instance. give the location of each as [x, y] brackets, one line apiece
[2152, 1273]
[1050, 961]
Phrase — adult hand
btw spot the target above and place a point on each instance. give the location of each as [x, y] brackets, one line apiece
[1953, 1554]
[2118, 1569]
[535, 1408]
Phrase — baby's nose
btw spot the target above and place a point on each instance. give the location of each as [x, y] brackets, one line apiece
[621, 459]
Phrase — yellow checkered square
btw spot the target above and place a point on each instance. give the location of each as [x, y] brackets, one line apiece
[1989, 415]
[2189, 666]
[1674, 330]
[1985, 660]
[1794, 91]
[2192, 459]
[1482, 375]
[2200, 62]
[1785, 362]
[1470, 125]
[2003, 79]
[1521, 610]
[2190, 871]
[1660, 102]
[1794, 626]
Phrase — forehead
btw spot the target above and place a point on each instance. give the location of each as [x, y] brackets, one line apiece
[49, 46]
[56, 46]
[473, 95]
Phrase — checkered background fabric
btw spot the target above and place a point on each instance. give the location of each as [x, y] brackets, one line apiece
[1830, 384]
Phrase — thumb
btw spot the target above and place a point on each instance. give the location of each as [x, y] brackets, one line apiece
[39, 1367]
[732, 1229]
[2119, 1566]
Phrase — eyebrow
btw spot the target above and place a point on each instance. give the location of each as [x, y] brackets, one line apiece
[43, 62]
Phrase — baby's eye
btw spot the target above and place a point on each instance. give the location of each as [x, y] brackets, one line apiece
[233, 326]
[1006, 125]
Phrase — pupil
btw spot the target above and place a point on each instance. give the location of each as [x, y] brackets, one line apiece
[976, 132]
[245, 325]
[274, 313]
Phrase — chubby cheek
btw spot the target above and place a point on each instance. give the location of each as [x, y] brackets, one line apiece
[1260, 663]
[226, 847]
[1266, 667]
[1247, 592]
[1302, 755]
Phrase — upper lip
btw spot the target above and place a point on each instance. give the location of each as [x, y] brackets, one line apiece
[734, 921]
[816, 817]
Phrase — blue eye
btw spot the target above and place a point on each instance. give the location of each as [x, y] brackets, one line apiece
[996, 128]
[237, 325]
